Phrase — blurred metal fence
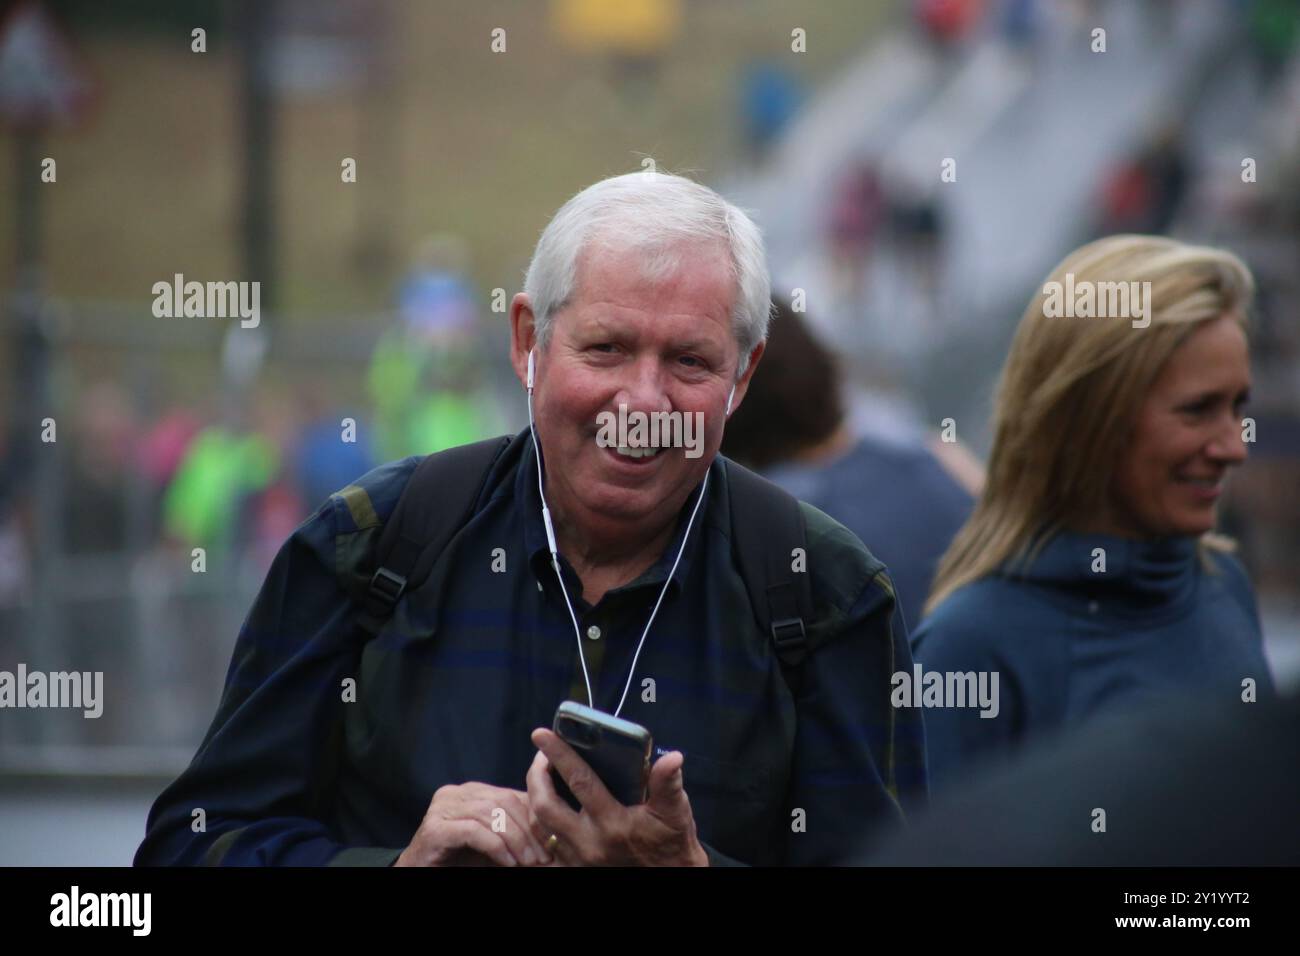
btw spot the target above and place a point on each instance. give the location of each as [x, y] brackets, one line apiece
[91, 583]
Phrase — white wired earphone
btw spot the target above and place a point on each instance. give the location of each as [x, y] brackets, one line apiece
[555, 559]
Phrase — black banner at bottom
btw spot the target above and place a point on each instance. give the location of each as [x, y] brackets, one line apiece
[337, 906]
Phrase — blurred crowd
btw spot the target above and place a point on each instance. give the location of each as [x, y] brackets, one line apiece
[165, 516]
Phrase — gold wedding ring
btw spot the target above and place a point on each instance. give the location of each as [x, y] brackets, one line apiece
[551, 843]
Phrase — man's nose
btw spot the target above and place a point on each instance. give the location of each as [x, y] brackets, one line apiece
[643, 390]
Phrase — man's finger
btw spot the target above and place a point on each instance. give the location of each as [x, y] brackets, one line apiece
[549, 815]
[552, 814]
[472, 834]
[533, 786]
[555, 817]
[516, 806]
[667, 786]
[502, 816]
[576, 772]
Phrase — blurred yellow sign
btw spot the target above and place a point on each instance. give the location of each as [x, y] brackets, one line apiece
[622, 26]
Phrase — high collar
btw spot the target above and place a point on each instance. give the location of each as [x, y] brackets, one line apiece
[1149, 571]
[539, 554]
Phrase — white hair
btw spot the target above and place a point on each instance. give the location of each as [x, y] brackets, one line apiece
[658, 213]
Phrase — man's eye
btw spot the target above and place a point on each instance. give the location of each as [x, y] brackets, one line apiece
[604, 345]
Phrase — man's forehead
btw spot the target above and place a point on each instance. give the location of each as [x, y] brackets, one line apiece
[690, 281]
[680, 331]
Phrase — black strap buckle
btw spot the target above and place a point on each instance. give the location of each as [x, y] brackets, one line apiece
[385, 590]
[789, 635]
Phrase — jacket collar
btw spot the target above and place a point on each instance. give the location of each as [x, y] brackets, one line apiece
[1151, 571]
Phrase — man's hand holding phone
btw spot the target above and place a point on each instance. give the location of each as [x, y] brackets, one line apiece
[659, 832]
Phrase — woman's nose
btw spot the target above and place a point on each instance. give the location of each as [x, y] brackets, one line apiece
[1229, 442]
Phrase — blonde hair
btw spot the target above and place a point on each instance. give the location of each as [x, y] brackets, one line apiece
[1069, 391]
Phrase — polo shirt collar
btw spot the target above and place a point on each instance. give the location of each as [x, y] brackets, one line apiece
[539, 555]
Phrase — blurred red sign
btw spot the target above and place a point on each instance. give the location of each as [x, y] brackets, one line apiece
[42, 83]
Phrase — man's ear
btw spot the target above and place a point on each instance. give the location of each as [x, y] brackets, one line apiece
[742, 385]
[523, 335]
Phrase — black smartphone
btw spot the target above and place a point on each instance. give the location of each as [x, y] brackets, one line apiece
[616, 749]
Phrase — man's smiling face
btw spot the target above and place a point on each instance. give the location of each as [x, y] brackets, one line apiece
[654, 345]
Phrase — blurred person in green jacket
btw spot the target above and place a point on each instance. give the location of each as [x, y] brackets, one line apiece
[425, 377]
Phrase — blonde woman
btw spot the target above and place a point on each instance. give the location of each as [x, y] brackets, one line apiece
[1089, 575]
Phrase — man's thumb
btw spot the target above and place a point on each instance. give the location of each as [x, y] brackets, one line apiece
[666, 776]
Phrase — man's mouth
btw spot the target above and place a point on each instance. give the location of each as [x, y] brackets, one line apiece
[632, 461]
[627, 452]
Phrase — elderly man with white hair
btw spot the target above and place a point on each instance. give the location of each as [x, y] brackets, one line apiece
[392, 687]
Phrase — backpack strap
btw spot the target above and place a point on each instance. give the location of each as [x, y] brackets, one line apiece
[766, 526]
[437, 502]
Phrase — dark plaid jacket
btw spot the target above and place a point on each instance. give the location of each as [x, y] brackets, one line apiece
[303, 767]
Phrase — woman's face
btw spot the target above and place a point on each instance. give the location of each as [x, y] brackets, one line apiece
[1187, 435]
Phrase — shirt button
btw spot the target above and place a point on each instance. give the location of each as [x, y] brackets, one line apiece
[1092, 607]
[593, 632]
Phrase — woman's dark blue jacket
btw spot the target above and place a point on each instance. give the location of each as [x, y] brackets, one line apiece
[1069, 641]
